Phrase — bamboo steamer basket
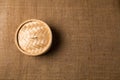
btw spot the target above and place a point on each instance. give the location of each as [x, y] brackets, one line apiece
[33, 37]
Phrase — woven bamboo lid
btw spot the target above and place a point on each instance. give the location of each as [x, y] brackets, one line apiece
[33, 37]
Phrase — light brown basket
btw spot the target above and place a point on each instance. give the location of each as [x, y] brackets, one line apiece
[33, 37]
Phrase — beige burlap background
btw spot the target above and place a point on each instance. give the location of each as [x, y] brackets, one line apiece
[86, 40]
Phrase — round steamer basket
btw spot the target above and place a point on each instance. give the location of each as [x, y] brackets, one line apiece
[33, 37]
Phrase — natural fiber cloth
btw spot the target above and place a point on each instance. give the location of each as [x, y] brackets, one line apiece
[86, 40]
